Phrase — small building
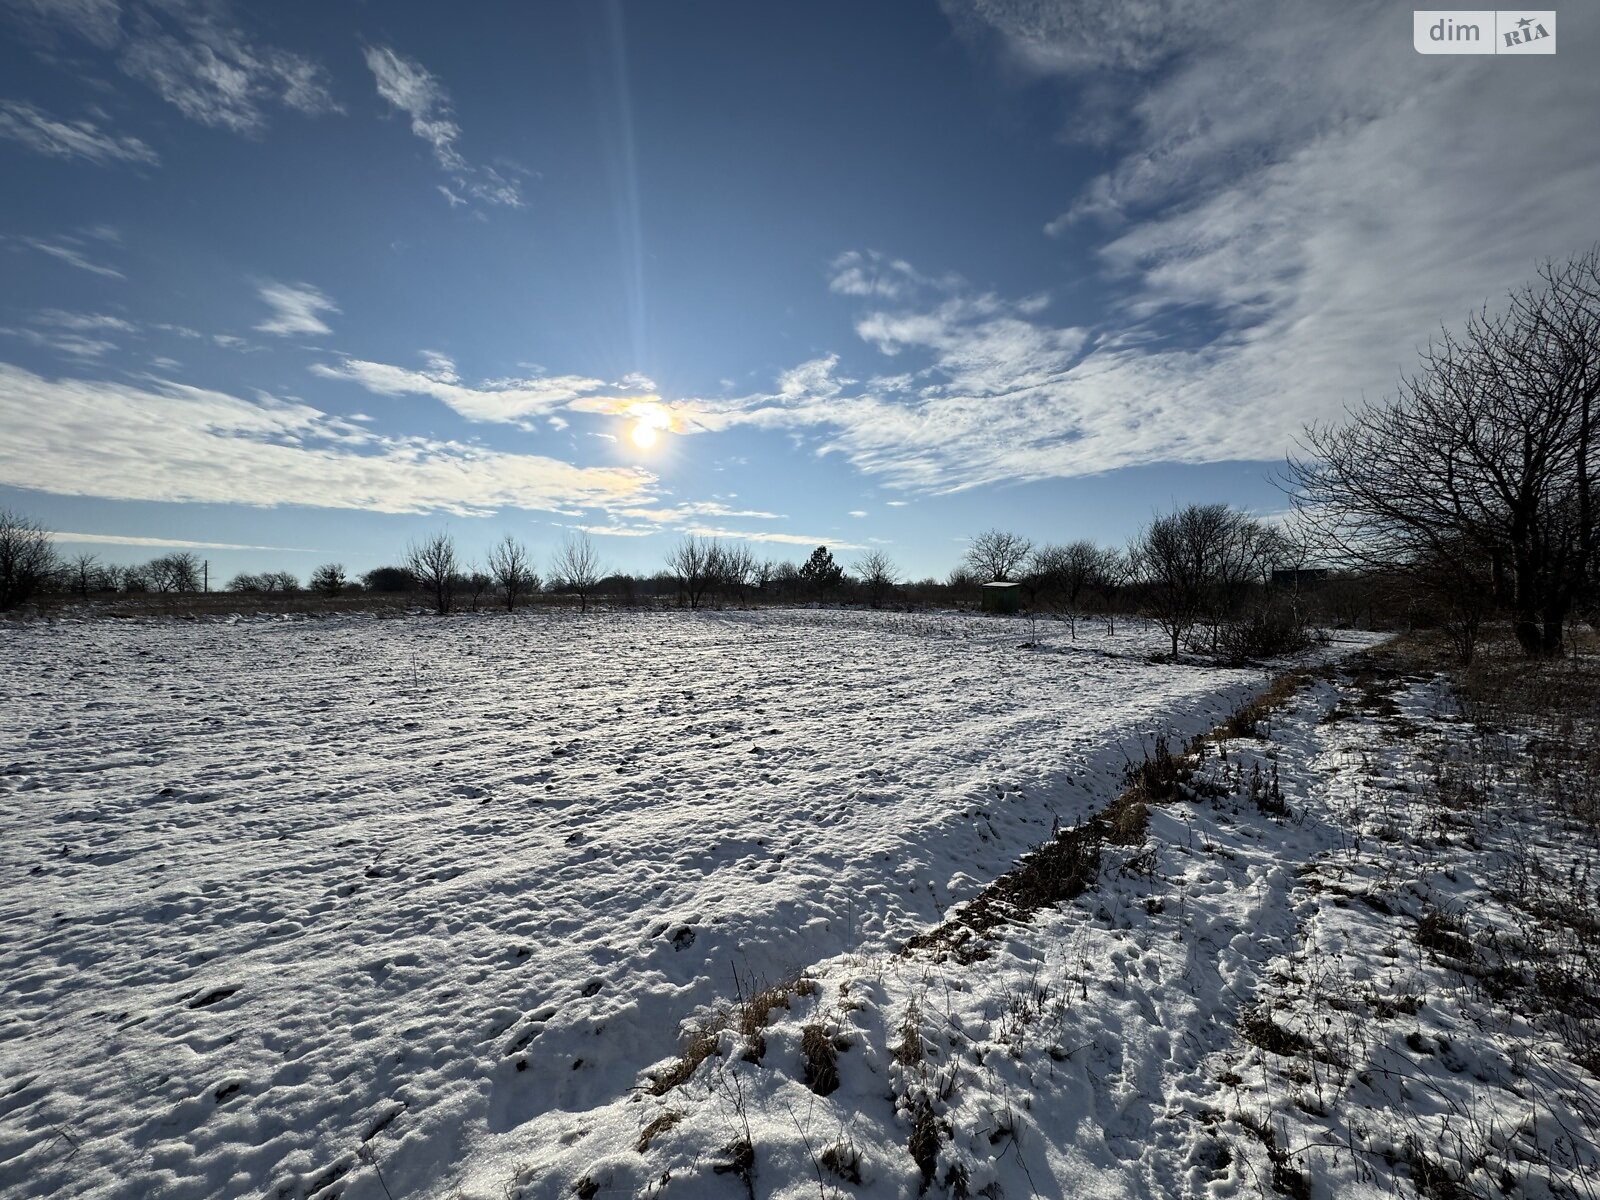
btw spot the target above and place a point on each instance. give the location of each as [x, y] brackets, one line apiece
[1001, 597]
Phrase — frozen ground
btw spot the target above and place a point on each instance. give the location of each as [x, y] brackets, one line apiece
[1342, 965]
[351, 906]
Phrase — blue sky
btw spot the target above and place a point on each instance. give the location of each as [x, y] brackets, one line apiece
[299, 282]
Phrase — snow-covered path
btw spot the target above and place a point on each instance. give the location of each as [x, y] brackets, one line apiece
[1352, 987]
[268, 887]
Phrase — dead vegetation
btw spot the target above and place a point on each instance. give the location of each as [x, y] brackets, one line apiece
[1068, 864]
[658, 1125]
[1258, 1028]
[747, 1017]
[821, 1059]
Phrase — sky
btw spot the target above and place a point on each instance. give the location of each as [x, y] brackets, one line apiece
[301, 282]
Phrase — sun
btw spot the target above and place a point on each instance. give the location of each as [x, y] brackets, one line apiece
[650, 421]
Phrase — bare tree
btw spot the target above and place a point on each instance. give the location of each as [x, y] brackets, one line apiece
[178, 572]
[788, 580]
[328, 579]
[1173, 557]
[84, 573]
[512, 569]
[1062, 577]
[1201, 564]
[878, 576]
[694, 562]
[1117, 569]
[1243, 551]
[27, 558]
[476, 582]
[280, 581]
[736, 570]
[995, 555]
[766, 575]
[244, 582]
[434, 566]
[577, 566]
[1483, 458]
[158, 573]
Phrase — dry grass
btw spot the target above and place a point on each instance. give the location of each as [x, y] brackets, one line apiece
[699, 1045]
[656, 1128]
[201, 605]
[1258, 1028]
[1069, 863]
[924, 1140]
[821, 1059]
[909, 1052]
[748, 1018]
[1250, 719]
[844, 1160]
[1444, 933]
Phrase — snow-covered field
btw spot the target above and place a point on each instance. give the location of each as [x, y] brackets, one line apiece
[361, 907]
[1321, 973]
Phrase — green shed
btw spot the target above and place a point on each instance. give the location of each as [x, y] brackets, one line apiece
[1002, 597]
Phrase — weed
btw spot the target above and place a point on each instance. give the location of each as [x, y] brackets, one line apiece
[663, 1122]
[1444, 933]
[844, 1160]
[822, 1061]
[924, 1141]
[1257, 1027]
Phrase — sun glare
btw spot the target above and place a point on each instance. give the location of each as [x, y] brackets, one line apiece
[650, 421]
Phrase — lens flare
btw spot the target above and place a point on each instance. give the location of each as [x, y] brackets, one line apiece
[650, 421]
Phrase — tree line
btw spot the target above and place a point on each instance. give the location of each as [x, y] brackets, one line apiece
[1467, 496]
[1201, 565]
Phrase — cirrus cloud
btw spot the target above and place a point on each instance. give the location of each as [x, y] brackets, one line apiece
[296, 308]
[500, 400]
[59, 137]
[170, 442]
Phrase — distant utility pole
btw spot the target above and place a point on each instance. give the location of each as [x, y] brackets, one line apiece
[205, 576]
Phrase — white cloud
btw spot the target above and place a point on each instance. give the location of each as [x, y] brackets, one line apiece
[191, 54]
[296, 309]
[98, 21]
[62, 138]
[769, 535]
[1297, 199]
[212, 73]
[75, 345]
[869, 273]
[117, 539]
[689, 511]
[620, 530]
[72, 251]
[168, 442]
[411, 88]
[506, 400]
[408, 86]
[814, 378]
[83, 322]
